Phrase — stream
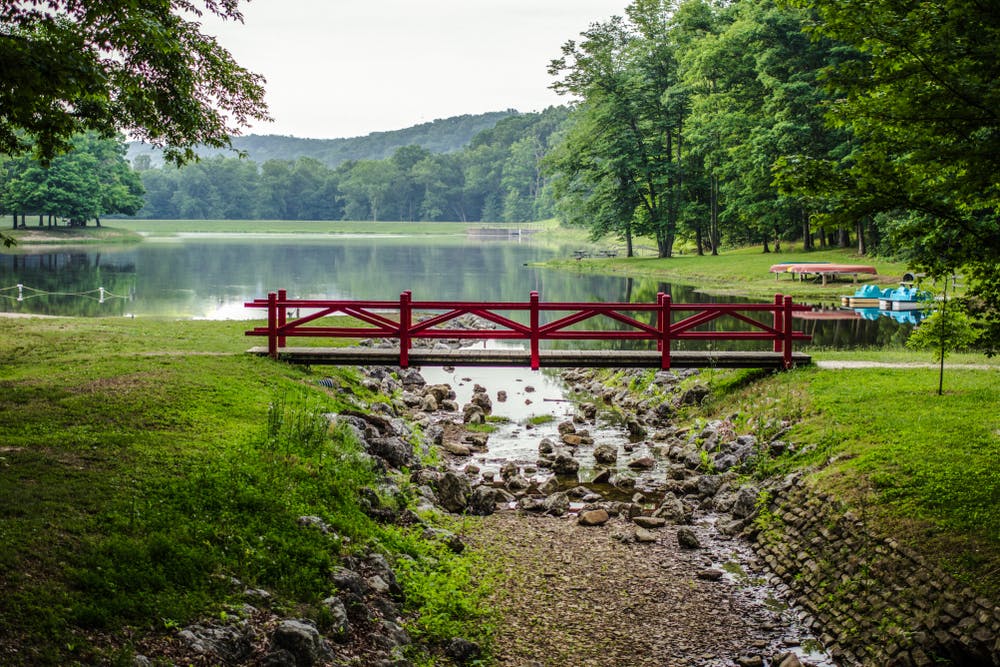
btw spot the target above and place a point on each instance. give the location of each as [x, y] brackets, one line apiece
[536, 403]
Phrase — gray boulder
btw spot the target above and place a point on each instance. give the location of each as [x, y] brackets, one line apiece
[606, 454]
[303, 641]
[483, 501]
[557, 504]
[453, 492]
[565, 464]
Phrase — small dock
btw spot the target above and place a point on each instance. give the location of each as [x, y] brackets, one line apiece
[387, 356]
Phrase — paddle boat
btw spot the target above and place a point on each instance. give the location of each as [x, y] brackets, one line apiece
[905, 298]
[867, 296]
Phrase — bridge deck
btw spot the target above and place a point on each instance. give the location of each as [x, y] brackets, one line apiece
[367, 356]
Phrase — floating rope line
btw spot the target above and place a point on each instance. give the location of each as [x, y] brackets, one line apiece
[25, 293]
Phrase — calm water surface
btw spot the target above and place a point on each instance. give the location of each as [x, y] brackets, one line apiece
[211, 277]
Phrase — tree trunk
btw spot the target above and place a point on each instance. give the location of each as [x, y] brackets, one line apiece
[713, 231]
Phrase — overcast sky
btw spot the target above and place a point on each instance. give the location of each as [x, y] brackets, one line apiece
[344, 68]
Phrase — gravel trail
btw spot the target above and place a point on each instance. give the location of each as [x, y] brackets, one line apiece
[585, 597]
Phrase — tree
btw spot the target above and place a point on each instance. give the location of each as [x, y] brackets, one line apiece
[921, 100]
[631, 150]
[90, 181]
[144, 68]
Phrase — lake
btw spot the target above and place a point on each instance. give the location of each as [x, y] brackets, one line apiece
[210, 276]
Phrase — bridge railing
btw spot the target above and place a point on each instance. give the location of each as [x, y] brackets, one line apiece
[395, 319]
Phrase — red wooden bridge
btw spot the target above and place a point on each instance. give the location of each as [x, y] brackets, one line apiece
[547, 321]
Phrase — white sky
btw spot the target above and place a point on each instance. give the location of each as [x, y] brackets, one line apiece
[344, 68]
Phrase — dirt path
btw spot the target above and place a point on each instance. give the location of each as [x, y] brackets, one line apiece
[847, 364]
[584, 597]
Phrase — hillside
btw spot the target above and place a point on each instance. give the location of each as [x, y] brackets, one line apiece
[443, 135]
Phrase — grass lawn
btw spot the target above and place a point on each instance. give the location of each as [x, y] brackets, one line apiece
[743, 271]
[146, 463]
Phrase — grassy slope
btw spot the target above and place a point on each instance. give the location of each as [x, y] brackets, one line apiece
[143, 463]
[924, 468]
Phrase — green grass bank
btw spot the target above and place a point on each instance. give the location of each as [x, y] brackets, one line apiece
[147, 464]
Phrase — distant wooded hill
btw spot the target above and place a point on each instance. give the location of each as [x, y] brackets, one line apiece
[444, 135]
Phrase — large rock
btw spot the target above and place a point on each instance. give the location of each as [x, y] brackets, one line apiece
[483, 500]
[229, 644]
[687, 539]
[557, 504]
[606, 454]
[634, 428]
[564, 464]
[597, 517]
[440, 392]
[453, 492]
[339, 624]
[746, 502]
[473, 414]
[671, 509]
[695, 395]
[411, 377]
[482, 399]
[463, 651]
[397, 452]
[303, 641]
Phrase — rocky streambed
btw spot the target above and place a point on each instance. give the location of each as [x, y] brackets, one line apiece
[619, 530]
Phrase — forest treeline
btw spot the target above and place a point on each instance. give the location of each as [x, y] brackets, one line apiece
[495, 176]
[443, 135]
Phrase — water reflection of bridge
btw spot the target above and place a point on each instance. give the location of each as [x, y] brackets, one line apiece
[406, 321]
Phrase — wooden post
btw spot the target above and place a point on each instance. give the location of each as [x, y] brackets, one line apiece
[282, 316]
[272, 325]
[787, 316]
[777, 321]
[405, 317]
[664, 317]
[535, 356]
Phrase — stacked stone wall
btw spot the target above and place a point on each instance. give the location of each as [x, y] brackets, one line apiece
[872, 600]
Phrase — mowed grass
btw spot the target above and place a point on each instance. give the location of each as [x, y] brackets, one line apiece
[922, 468]
[743, 271]
[173, 227]
[147, 466]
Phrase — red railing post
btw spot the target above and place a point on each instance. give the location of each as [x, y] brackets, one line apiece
[282, 316]
[272, 325]
[405, 317]
[534, 312]
[787, 316]
[664, 317]
[778, 322]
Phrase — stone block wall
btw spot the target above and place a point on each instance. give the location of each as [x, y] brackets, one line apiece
[872, 601]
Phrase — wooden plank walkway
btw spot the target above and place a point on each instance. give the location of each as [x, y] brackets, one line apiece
[368, 356]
